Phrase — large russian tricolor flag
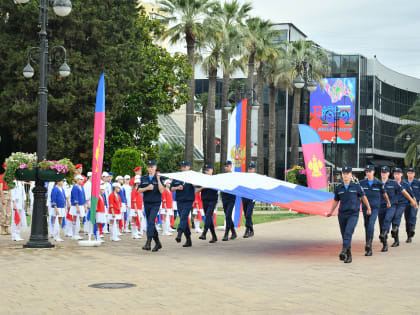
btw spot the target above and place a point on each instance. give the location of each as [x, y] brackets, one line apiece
[98, 147]
[237, 149]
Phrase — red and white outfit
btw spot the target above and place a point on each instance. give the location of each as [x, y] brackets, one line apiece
[167, 211]
[114, 204]
[198, 211]
[136, 206]
[18, 198]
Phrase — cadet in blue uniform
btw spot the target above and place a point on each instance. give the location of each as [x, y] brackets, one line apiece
[248, 205]
[209, 198]
[184, 197]
[387, 213]
[405, 199]
[410, 214]
[373, 189]
[228, 201]
[151, 186]
[349, 195]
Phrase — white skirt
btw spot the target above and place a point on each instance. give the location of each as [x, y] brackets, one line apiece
[123, 207]
[133, 213]
[61, 212]
[117, 217]
[100, 217]
[73, 211]
[174, 206]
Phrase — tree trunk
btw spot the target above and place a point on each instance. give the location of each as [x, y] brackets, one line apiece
[189, 119]
[249, 96]
[272, 132]
[225, 117]
[294, 156]
[260, 94]
[204, 109]
[211, 121]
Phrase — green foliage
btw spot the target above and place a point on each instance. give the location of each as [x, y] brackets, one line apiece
[14, 161]
[125, 161]
[142, 79]
[296, 176]
[170, 157]
[411, 132]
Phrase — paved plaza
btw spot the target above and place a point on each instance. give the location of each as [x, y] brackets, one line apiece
[290, 266]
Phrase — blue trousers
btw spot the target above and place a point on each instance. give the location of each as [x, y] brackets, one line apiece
[228, 209]
[385, 217]
[410, 216]
[151, 210]
[348, 221]
[208, 207]
[184, 210]
[400, 209]
[370, 221]
[248, 210]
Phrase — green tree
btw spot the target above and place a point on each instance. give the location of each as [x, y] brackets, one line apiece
[170, 157]
[125, 161]
[141, 79]
[411, 133]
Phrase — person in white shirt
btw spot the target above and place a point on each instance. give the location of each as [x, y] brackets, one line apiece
[18, 198]
[87, 227]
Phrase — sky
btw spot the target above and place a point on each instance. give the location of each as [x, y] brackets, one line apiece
[385, 28]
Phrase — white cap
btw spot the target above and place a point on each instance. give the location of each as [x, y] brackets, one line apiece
[105, 174]
[116, 185]
[89, 174]
[168, 181]
[78, 177]
[119, 177]
[137, 180]
[102, 187]
[127, 177]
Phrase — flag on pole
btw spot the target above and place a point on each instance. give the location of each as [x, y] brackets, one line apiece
[237, 150]
[98, 147]
[313, 155]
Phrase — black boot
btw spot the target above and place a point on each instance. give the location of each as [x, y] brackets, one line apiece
[158, 244]
[233, 236]
[410, 234]
[148, 243]
[251, 232]
[188, 242]
[385, 247]
[396, 238]
[213, 236]
[368, 247]
[342, 255]
[203, 235]
[381, 236]
[226, 236]
[246, 235]
[178, 237]
[348, 257]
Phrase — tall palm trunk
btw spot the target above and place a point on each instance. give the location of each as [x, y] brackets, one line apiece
[272, 132]
[211, 121]
[204, 109]
[249, 87]
[189, 120]
[225, 116]
[260, 94]
[294, 156]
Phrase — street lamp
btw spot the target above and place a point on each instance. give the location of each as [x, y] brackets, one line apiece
[39, 229]
[304, 69]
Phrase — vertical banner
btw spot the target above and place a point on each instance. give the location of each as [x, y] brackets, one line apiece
[313, 155]
[98, 147]
[237, 149]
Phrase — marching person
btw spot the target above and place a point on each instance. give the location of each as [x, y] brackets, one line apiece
[152, 188]
[248, 205]
[58, 208]
[100, 214]
[78, 206]
[349, 194]
[166, 209]
[114, 202]
[405, 201]
[209, 197]
[410, 214]
[373, 189]
[6, 205]
[184, 199]
[18, 197]
[136, 205]
[228, 201]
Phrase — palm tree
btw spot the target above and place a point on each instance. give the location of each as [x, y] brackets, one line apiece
[411, 132]
[186, 17]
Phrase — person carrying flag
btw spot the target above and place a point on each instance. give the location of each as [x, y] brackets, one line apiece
[248, 205]
[228, 201]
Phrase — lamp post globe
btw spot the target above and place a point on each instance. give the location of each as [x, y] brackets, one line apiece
[64, 70]
[299, 83]
[28, 71]
[22, 1]
[62, 7]
[311, 86]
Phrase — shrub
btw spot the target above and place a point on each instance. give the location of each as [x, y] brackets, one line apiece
[124, 161]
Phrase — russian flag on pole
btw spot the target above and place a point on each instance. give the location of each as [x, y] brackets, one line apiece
[237, 150]
[98, 147]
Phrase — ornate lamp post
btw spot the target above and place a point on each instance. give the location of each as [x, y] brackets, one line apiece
[39, 230]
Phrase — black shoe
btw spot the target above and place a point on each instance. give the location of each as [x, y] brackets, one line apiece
[409, 238]
[251, 232]
[348, 257]
[158, 244]
[246, 235]
[203, 235]
[213, 235]
[396, 239]
[342, 255]
[368, 248]
[233, 236]
[226, 236]
[188, 242]
[178, 237]
[148, 243]
[385, 247]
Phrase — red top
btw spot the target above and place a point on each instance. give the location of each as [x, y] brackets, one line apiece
[168, 199]
[132, 181]
[198, 203]
[5, 187]
[114, 202]
[101, 206]
[136, 199]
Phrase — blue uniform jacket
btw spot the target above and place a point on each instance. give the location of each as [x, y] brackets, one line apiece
[415, 186]
[123, 196]
[187, 194]
[208, 194]
[58, 197]
[349, 198]
[400, 197]
[77, 196]
[152, 196]
[391, 188]
[373, 193]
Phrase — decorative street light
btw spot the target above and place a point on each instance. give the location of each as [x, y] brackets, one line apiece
[39, 230]
[304, 69]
